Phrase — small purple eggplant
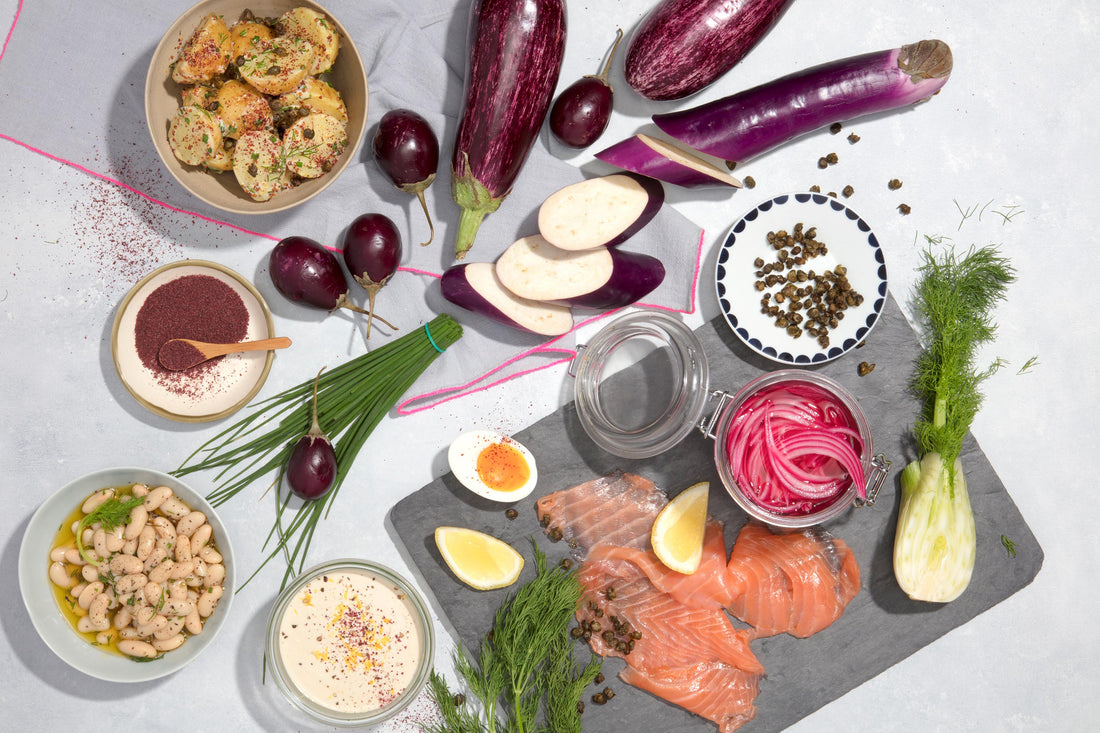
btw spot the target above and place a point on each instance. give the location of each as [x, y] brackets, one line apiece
[311, 468]
[407, 151]
[372, 252]
[581, 112]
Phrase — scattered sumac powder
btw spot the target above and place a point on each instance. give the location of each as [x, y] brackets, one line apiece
[197, 307]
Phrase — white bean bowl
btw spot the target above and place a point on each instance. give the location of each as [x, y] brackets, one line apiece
[42, 606]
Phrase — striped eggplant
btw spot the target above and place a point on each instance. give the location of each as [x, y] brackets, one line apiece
[515, 55]
[756, 120]
[682, 46]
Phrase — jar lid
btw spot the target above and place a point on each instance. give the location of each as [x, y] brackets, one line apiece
[641, 384]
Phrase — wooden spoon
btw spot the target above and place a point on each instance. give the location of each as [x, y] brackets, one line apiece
[178, 355]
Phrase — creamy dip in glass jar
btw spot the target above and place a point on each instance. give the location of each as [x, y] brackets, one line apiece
[350, 642]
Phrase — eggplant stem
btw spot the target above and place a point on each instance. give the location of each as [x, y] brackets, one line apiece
[315, 426]
[344, 302]
[431, 227]
[602, 76]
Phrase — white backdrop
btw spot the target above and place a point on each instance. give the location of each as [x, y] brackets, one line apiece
[1013, 131]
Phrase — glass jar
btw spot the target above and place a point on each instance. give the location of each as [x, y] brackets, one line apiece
[351, 638]
[642, 420]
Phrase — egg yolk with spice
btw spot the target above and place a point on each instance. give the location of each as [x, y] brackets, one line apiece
[502, 468]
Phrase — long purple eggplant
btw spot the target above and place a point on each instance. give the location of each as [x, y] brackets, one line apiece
[751, 122]
[515, 55]
[683, 46]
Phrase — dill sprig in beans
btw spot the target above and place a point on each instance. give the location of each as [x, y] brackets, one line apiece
[802, 300]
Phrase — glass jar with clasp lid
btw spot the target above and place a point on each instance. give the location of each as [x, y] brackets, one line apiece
[642, 384]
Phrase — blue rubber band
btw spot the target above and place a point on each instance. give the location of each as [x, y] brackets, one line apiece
[431, 340]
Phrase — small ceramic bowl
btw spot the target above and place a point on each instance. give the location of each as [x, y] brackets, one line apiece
[317, 651]
[209, 392]
[162, 99]
[742, 284]
[43, 604]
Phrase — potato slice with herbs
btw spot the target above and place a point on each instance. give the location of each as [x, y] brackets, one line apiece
[242, 109]
[313, 144]
[194, 135]
[206, 54]
[278, 65]
[259, 166]
[200, 95]
[222, 159]
[316, 96]
[248, 36]
[311, 26]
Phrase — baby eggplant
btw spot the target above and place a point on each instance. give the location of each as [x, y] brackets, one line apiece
[372, 252]
[407, 151]
[581, 112]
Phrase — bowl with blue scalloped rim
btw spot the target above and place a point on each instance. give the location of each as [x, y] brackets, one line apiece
[843, 262]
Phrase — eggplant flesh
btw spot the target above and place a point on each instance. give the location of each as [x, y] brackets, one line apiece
[475, 287]
[599, 278]
[650, 156]
[603, 211]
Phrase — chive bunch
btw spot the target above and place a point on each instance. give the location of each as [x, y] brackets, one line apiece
[351, 400]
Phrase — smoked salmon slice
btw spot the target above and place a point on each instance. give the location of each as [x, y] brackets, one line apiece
[664, 631]
[797, 582]
[711, 586]
[616, 509]
[716, 691]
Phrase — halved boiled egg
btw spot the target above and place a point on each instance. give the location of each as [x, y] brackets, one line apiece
[493, 465]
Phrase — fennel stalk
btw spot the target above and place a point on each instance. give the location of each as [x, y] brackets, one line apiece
[935, 546]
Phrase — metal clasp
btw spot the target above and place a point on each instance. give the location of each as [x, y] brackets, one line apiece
[880, 469]
[572, 368]
[706, 427]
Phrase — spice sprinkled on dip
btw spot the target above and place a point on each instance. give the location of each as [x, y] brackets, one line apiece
[349, 641]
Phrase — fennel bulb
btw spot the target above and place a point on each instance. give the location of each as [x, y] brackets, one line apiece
[935, 546]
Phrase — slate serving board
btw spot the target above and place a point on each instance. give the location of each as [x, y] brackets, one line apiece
[879, 628]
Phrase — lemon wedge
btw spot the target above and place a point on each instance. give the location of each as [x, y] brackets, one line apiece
[677, 534]
[479, 560]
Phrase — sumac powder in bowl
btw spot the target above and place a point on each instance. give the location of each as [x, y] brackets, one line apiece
[197, 300]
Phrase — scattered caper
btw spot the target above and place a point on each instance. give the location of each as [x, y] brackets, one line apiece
[511, 513]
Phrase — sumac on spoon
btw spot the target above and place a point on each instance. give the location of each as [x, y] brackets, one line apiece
[407, 151]
[372, 252]
[311, 468]
[306, 272]
[580, 113]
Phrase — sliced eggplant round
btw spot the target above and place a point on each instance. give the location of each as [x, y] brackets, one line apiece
[476, 288]
[601, 278]
[604, 211]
